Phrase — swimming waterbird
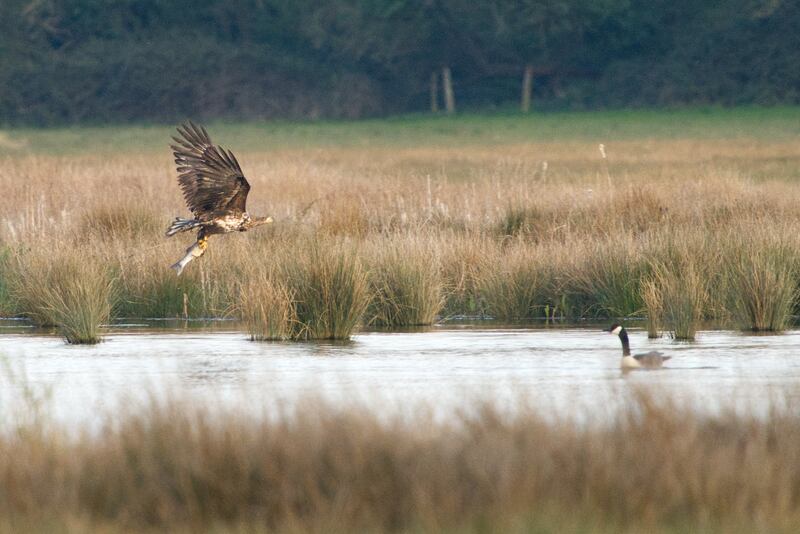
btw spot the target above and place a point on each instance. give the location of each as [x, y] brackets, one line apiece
[647, 360]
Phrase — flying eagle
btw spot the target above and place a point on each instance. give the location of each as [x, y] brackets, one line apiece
[214, 188]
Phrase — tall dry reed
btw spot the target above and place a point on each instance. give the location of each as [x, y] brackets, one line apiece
[654, 307]
[762, 270]
[329, 284]
[681, 294]
[461, 257]
[655, 466]
[266, 305]
[514, 281]
[604, 276]
[65, 288]
[406, 283]
[465, 199]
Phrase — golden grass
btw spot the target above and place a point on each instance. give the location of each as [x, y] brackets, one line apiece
[489, 214]
[406, 282]
[653, 467]
[266, 305]
[763, 277]
[64, 287]
[515, 281]
[654, 308]
[329, 288]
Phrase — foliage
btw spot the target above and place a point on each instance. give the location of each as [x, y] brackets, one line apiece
[95, 60]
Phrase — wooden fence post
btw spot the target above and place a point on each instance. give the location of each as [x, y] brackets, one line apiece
[449, 99]
[434, 92]
[527, 87]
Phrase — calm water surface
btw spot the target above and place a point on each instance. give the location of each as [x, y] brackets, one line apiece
[445, 366]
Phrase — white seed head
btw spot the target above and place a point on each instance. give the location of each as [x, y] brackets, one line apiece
[602, 150]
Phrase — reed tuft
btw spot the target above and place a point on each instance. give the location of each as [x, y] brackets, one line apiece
[266, 305]
[64, 288]
[605, 276]
[762, 281]
[654, 307]
[130, 221]
[513, 282]
[681, 292]
[330, 289]
[406, 283]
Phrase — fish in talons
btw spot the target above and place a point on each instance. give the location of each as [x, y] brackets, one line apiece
[195, 251]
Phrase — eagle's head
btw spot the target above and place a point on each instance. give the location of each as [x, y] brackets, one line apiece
[252, 222]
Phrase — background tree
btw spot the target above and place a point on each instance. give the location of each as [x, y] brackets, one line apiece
[65, 61]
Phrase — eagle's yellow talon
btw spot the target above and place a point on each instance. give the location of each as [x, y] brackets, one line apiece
[203, 243]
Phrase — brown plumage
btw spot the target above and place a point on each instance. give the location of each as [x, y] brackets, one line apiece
[214, 188]
[210, 177]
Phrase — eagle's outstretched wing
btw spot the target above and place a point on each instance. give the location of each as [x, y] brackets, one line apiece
[209, 176]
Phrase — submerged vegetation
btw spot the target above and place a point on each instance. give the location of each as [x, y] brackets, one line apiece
[678, 229]
[652, 465]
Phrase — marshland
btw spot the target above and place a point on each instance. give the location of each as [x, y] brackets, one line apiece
[679, 217]
[415, 344]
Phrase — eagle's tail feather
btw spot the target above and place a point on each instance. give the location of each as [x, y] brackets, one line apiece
[182, 225]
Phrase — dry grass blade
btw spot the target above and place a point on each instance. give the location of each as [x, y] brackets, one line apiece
[682, 295]
[266, 306]
[763, 281]
[330, 289]
[64, 288]
[654, 307]
[654, 467]
[514, 282]
[406, 283]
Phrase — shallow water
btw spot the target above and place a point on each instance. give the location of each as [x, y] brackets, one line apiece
[572, 369]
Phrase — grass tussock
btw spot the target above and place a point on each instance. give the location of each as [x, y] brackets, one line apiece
[678, 295]
[605, 276]
[330, 288]
[461, 257]
[654, 307]
[266, 306]
[514, 282]
[406, 283]
[653, 467]
[64, 288]
[763, 280]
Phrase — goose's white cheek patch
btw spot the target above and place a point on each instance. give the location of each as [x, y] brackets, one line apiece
[617, 330]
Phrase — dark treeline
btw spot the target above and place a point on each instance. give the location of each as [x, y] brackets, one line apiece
[65, 61]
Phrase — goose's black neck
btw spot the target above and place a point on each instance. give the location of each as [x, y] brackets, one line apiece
[626, 348]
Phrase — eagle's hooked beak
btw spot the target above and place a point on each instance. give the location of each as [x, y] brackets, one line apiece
[257, 221]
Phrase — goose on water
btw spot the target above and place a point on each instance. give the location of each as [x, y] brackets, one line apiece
[647, 360]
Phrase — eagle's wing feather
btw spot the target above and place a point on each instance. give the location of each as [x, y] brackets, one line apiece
[210, 177]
